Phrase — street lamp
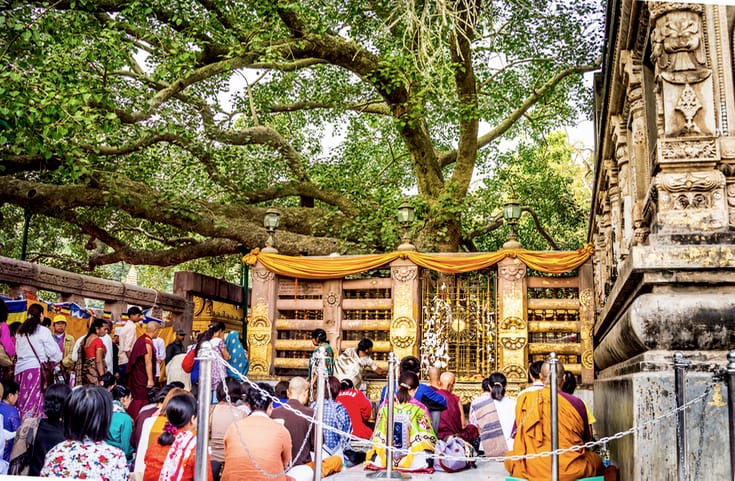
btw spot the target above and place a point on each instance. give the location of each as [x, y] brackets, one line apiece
[271, 221]
[406, 216]
[512, 211]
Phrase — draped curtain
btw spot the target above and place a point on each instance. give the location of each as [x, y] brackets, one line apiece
[320, 268]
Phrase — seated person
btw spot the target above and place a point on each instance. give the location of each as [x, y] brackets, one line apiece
[533, 434]
[452, 420]
[425, 394]
[494, 414]
[413, 437]
[358, 407]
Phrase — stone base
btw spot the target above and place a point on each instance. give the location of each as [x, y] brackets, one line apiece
[634, 392]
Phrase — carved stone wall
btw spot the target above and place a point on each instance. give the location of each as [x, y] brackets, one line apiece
[662, 219]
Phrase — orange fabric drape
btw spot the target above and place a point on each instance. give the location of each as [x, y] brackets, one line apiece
[320, 268]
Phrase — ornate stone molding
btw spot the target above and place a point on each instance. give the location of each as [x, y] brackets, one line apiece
[404, 273]
[403, 332]
[264, 274]
[512, 272]
[688, 150]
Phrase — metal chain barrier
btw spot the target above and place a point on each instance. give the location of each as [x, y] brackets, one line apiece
[482, 459]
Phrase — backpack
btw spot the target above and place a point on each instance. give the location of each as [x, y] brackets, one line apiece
[453, 454]
[187, 364]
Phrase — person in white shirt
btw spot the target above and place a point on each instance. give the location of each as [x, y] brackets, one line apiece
[534, 372]
[127, 334]
[159, 351]
[353, 362]
[34, 344]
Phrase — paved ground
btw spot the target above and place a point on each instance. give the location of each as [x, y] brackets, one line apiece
[489, 471]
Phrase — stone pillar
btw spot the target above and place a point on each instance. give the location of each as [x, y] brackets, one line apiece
[513, 320]
[261, 328]
[404, 327]
[332, 298]
[587, 320]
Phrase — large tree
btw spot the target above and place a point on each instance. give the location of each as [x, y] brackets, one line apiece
[158, 132]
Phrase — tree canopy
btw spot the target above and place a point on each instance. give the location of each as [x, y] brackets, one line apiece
[157, 132]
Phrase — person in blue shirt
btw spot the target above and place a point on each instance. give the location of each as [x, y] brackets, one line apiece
[425, 394]
[11, 417]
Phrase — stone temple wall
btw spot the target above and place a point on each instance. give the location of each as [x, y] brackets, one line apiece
[663, 225]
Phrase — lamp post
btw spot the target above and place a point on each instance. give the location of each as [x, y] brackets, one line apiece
[512, 213]
[271, 221]
[406, 216]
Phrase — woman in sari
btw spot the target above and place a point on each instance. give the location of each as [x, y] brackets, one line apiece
[238, 356]
[414, 438]
[494, 414]
[173, 456]
[34, 344]
[91, 359]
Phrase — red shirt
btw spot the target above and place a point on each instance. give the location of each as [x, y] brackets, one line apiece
[90, 352]
[360, 410]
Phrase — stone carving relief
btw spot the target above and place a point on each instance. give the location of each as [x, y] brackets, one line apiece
[512, 272]
[513, 342]
[404, 273]
[678, 52]
[731, 203]
[264, 274]
[515, 373]
[403, 332]
[688, 150]
[689, 190]
[331, 300]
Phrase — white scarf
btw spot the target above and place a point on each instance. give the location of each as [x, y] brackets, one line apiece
[178, 453]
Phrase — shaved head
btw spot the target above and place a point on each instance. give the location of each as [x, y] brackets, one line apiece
[447, 380]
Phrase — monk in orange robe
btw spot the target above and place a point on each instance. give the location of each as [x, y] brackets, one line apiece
[533, 435]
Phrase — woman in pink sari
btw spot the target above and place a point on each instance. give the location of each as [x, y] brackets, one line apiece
[34, 344]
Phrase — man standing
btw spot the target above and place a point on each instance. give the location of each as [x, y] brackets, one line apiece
[126, 334]
[353, 363]
[176, 346]
[141, 369]
[65, 342]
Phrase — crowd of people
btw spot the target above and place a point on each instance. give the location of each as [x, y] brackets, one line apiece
[106, 414]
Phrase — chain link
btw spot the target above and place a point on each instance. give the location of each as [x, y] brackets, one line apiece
[483, 459]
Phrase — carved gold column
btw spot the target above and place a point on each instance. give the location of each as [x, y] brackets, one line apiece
[512, 325]
[332, 298]
[261, 328]
[587, 321]
[406, 304]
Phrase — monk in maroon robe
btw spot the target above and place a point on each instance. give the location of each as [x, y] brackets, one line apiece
[141, 368]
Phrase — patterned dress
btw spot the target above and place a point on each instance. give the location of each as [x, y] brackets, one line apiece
[85, 460]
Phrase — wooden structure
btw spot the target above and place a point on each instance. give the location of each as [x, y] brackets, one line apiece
[501, 324]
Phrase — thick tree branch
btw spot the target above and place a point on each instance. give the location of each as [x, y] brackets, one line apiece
[449, 157]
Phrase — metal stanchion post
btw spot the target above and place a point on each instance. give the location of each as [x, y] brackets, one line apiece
[731, 408]
[389, 473]
[321, 380]
[204, 356]
[680, 364]
[554, 388]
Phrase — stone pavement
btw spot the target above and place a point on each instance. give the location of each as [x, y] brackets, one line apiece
[488, 470]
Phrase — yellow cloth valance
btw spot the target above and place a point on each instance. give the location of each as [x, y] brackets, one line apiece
[319, 268]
